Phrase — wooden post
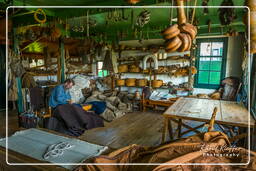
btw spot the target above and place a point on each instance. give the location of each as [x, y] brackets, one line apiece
[169, 123]
[61, 62]
[179, 128]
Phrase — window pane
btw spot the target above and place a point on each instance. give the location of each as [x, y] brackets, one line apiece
[214, 78]
[203, 77]
[100, 64]
[100, 73]
[204, 63]
[105, 72]
[205, 49]
[216, 64]
[217, 48]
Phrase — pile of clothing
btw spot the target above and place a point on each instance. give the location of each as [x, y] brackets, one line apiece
[117, 103]
[81, 82]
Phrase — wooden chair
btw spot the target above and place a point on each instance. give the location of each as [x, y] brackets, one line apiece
[210, 125]
[48, 113]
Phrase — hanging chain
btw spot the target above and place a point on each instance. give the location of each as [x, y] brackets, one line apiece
[171, 15]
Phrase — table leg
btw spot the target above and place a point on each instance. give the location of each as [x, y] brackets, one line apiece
[169, 122]
[165, 128]
[179, 128]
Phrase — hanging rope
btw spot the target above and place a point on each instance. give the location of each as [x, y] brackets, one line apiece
[194, 11]
[56, 150]
[40, 11]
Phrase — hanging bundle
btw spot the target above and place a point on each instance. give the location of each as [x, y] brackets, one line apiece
[227, 15]
[205, 4]
[143, 18]
[179, 37]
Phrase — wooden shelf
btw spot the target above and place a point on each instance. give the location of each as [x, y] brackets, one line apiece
[142, 73]
[177, 89]
[44, 74]
[79, 72]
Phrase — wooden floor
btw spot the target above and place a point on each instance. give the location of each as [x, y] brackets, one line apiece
[143, 128]
[133, 128]
[13, 125]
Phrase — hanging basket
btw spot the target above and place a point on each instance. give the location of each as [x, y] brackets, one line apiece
[157, 83]
[141, 82]
[130, 82]
[120, 82]
[123, 68]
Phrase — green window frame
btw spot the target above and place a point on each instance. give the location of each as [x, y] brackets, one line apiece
[100, 71]
[211, 55]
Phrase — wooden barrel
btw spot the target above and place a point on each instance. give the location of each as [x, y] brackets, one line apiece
[141, 82]
[157, 83]
[120, 82]
[134, 68]
[130, 82]
[123, 68]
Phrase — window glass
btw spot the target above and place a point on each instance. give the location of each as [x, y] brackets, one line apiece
[210, 59]
[205, 49]
[217, 48]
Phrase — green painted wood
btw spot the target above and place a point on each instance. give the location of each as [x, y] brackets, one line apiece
[160, 18]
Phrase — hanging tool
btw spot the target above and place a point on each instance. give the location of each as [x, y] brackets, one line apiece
[132, 18]
[209, 22]
[87, 24]
[143, 18]
[123, 15]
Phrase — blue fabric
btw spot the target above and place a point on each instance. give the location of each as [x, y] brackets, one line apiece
[98, 107]
[59, 96]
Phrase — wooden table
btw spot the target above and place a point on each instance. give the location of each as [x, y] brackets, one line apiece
[230, 114]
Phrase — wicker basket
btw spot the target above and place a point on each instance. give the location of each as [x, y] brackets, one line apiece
[123, 68]
[157, 83]
[134, 68]
[120, 82]
[130, 82]
[141, 82]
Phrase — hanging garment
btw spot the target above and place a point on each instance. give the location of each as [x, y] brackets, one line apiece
[13, 90]
[110, 62]
[37, 101]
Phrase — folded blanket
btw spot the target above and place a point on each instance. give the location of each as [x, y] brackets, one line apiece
[73, 120]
